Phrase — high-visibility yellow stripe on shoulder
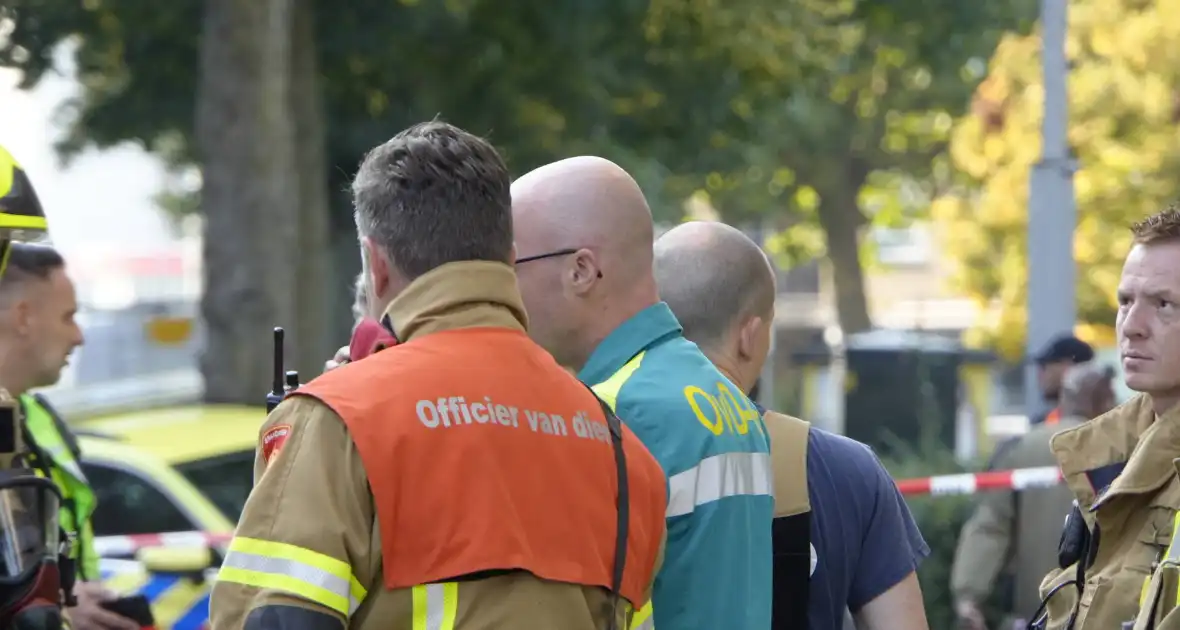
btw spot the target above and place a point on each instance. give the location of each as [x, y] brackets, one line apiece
[644, 620]
[1171, 559]
[304, 573]
[435, 606]
[22, 221]
[608, 390]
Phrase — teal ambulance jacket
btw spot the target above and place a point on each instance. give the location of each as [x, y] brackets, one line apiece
[713, 447]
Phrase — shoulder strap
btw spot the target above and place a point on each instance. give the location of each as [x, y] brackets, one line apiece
[791, 529]
[622, 509]
[788, 453]
[67, 436]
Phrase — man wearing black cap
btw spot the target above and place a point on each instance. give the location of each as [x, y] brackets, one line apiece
[1052, 362]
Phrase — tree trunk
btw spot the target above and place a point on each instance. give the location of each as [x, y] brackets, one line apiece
[245, 135]
[841, 219]
[312, 343]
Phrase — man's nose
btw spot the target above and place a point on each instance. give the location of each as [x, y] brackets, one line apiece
[1135, 324]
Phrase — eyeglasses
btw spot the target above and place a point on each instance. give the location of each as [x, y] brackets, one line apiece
[560, 252]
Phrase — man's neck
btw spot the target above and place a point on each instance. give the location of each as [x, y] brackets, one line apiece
[15, 387]
[611, 316]
[1164, 404]
[12, 372]
[728, 367]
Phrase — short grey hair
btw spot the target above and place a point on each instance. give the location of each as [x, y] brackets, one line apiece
[1082, 376]
[435, 194]
[712, 276]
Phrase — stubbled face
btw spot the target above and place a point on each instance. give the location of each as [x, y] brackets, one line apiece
[1148, 323]
[46, 331]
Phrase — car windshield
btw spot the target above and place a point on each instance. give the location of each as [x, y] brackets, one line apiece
[226, 480]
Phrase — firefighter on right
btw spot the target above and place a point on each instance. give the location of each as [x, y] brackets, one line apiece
[1120, 465]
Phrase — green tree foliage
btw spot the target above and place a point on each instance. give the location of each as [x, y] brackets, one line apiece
[538, 78]
[819, 115]
[846, 103]
[541, 79]
[1123, 108]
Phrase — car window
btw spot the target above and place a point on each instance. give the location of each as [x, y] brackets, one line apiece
[226, 480]
[129, 504]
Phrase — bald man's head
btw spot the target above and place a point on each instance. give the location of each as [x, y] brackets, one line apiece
[583, 234]
[721, 287]
[581, 202]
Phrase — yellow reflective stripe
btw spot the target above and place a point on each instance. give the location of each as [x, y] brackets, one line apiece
[1173, 553]
[10, 221]
[608, 390]
[435, 606]
[313, 576]
[644, 619]
[1171, 557]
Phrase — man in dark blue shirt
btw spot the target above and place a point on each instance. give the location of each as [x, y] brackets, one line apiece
[865, 547]
[866, 541]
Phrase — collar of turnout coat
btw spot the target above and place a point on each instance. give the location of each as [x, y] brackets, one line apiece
[457, 295]
[1124, 451]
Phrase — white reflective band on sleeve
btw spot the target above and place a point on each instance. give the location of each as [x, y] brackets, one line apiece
[435, 606]
[292, 576]
[717, 477]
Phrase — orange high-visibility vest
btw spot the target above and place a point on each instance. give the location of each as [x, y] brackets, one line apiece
[482, 454]
[1053, 417]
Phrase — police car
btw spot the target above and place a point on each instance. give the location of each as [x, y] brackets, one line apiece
[158, 474]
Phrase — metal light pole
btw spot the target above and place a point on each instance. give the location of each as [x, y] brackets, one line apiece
[1052, 211]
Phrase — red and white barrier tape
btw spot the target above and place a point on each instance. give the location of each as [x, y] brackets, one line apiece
[970, 483]
[1019, 479]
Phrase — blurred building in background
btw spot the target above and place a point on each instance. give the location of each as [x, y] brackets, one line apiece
[139, 312]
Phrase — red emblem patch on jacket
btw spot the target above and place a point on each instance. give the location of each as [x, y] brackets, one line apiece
[272, 441]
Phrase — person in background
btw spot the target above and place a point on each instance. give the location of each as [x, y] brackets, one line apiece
[584, 238]
[360, 305]
[1052, 362]
[38, 333]
[360, 302]
[1017, 532]
[866, 546]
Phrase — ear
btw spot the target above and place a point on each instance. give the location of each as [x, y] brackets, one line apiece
[379, 268]
[748, 338]
[20, 317]
[584, 271]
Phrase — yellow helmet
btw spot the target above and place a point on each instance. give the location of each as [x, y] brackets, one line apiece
[21, 215]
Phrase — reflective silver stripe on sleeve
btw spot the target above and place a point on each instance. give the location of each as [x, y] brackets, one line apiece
[301, 575]
[718, 477]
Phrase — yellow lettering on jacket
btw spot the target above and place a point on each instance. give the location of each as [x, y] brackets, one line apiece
[722, 409]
